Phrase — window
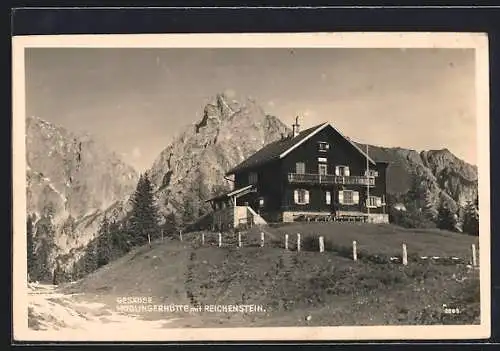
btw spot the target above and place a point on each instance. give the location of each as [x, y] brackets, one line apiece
[322, 159]
[301, 196]
[252, 178]
[374, 202]
[328, 198]
[342, 171]
[300, 168]
[323, 146]
[261, 202]
[371, 173]
[322, 169]
[348, 197]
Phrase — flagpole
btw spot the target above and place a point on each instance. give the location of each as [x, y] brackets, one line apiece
[367, 181]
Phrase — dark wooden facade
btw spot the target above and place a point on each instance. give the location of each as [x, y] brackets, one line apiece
[279, 179]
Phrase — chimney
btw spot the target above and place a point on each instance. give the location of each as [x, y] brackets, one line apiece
[296, 127]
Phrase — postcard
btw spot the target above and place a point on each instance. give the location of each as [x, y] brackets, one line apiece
[251, 187]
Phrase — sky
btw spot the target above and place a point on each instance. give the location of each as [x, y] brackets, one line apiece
[137, 99]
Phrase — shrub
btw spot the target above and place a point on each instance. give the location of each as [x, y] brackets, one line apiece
[446, 219]
[411, 218]
[310, 243]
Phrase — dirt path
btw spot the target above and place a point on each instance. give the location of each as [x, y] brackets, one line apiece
[51, 310]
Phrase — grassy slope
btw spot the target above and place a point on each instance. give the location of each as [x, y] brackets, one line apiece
[329, 287]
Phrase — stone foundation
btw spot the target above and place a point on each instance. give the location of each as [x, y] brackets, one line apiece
[288, 216]
[378, 218]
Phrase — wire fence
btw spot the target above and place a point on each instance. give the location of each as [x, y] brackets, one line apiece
[258, 236]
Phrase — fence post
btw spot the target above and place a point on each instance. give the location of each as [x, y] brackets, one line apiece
[149, 240]
[405, 255]
[162, 235]
[354, 250]
[286, 241]
[239, 239]
[202, 238]
[180, 235]
[474, 259]
[220, 239]
[261, 239]
[321, 244]
[298, 242]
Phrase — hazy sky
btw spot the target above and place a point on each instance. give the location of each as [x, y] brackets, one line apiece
[136, 100]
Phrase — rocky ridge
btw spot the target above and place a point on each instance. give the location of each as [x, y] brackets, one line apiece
[72, 179]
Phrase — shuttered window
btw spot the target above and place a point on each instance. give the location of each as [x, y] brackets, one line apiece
[328, 198]
[374, 202]
[322, 169]
[323, 146]
[342, 171]
[252, 178]
[301, 196]
[300, 168]
[348, 197]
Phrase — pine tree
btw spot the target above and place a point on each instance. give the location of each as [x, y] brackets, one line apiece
[58, 274]
[413, 196]
[143, 221]
[30, 247]
[45, 233]
[90, 257]
[429, 210]
[170, 226]
[471, 219]
[120, 239]
[188, 212]
[104, 243]
[446, 219]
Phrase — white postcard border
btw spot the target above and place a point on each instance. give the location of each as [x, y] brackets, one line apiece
[477, 41]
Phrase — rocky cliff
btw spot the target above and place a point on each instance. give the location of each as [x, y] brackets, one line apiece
[437, 175]
[192, 168]
[72, 179]
[76, 180]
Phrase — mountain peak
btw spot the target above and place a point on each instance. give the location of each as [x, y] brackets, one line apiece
[192, 168]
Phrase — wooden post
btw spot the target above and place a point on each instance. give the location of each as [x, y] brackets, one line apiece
[405, 255]
[180, 235]
[286, 241]
[202, 239]
[162, 235]
[298, 242]
[220, 239]
[239, 239]
[261, 239]
[149, 240]
[354, 250]
[321, 244]
[474, 259]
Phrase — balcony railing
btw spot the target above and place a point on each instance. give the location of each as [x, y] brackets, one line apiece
[309, 178]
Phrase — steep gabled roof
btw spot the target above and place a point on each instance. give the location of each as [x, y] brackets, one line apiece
[237, 192]
[273, 150]
[281, 148]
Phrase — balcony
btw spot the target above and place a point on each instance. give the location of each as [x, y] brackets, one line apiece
[330, 179]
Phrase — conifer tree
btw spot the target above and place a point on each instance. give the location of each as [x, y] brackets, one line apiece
[30, 246]
[120, 239]
[45, 233]
[143, 220]
[104, 243]
[90, 257]
[471, 219]
[188, 213]
[430, 212]
[446, 219]
[170, 226]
